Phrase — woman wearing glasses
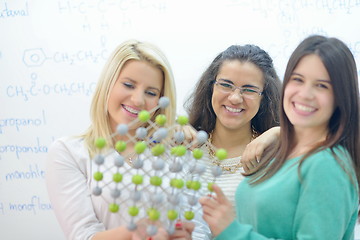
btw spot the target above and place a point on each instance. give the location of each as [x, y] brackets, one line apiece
[307, 184]
[236, 99]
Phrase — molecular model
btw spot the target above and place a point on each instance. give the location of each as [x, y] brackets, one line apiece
[160, 181]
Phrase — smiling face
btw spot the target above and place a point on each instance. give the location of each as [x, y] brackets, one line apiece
[137, 88]
[232, 110]
[308, 96]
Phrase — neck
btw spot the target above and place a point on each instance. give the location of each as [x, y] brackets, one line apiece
[306, 139]
[233, 141]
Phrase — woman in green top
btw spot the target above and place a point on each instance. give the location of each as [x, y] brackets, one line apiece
[306, 186]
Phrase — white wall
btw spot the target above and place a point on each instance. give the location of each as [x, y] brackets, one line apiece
[51, 53]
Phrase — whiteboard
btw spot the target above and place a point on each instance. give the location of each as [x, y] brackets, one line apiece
[52, 52]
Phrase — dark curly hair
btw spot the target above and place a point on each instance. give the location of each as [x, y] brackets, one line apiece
[199, 107]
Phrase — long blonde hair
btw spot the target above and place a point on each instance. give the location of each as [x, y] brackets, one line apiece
[128, 50]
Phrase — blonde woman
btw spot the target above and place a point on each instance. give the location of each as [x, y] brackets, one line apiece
[136, 75]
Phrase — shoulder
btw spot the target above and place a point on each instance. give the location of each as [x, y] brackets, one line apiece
[69, 143]
[68, 148]
[330, 165]
[330, 157]
[329, 173]
[68, 152]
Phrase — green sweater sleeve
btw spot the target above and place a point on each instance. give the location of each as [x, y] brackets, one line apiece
[238, 231]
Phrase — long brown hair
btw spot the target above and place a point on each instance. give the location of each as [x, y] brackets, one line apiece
[344, 123]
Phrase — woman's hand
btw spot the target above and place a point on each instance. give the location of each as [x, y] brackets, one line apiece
[141, 234]
[189, 133]
[190, 136]
[183, 231]
[217, 211]
[160, 235]
[254, 150]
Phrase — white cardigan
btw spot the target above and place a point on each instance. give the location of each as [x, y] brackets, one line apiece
[69, 179]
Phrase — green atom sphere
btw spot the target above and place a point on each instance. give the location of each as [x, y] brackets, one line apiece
[160, 119]
[120, 146]
[153, 214]
[210, 187]
[178, 150]
[195, 185]
[221, 154]
[100, 143]
[140, 147]
[144, 116]
[173, 150]
[158, 149]
[189, 215]
[117, 177]
[98, 176]
[155, 180]
[133, 211]
[197, 153]
[177, 183]
[188, 184]
[182, 120]
[172, 215]
[173, 182]
[137, 179]
[113, 207]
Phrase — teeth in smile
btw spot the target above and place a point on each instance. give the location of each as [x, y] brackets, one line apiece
[304, 108]
[129, 109]
[234, 110]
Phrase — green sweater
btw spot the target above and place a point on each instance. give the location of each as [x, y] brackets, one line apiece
[323, 205]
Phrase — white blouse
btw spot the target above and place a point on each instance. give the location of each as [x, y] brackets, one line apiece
[69, 179]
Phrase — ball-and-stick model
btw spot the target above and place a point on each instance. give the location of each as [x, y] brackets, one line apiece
[160, 181]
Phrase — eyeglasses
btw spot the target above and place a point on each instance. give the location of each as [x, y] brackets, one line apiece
[246, 92]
